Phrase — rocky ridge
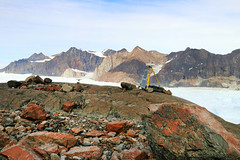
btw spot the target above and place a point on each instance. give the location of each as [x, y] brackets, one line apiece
[75, 121]
[127, 66]
[72, 59]
[188, 68]
[194, 67]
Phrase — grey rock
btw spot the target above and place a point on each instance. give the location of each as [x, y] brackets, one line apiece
[54, 156]
[120, 147]
[67, 88]
[8, 122]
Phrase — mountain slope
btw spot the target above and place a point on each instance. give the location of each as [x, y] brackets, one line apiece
[74, 58]
[199, 67]
[127, 66]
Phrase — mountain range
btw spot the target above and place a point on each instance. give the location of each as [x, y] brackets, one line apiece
[191, 67]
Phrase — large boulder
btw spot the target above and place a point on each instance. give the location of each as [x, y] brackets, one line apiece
[177, 131]
[127, 86]
[13, 84]
[34, 79]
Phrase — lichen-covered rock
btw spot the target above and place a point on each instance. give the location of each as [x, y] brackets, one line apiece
[68, 106]
[34, 112]
[34, 139]
[116, 126]
[178, 131]
[20, 152]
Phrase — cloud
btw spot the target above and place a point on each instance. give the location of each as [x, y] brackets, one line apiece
[54, 26]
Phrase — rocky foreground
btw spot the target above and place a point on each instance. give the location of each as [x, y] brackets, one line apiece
[75, 121]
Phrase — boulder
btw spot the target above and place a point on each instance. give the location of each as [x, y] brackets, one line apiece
[79, 88]
[29, 79]
[131, 133]
[94, 133]
[77, 130]
[116, 126]
[38, 80]
[20, 152]
[47, 80]
[33, 140]
[34, 79]
[133, 154]
[34, 112]
[177, 131]
[68, 106]
[91, 152]
[67, 88]
[13, 84]
[127, 86]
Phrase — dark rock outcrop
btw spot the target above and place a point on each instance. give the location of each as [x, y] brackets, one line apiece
[127, 86]
[178, 131]
[13, 84]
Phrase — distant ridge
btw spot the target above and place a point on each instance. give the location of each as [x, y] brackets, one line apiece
[191, 67]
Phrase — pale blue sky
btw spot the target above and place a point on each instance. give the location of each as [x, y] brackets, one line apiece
[53, 26]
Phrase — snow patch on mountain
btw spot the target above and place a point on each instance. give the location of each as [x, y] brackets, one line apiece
[41, 61]
[99, 54]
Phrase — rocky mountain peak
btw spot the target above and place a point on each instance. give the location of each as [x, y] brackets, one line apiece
[73, 49]
[108, 52]
[123, 50]
[187, 49]
[138, 49]
[37, 56]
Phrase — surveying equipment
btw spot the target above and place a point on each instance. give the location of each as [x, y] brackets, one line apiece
[146, 80]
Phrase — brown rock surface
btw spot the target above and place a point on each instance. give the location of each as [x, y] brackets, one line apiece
[175, 127]
[106, 101]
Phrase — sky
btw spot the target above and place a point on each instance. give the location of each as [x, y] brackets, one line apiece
[53, 26]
